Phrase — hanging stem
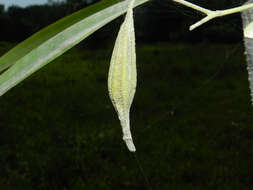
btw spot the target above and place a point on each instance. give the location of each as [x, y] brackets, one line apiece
[212, 14]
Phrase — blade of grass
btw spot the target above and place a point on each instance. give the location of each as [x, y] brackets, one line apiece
[39, 52]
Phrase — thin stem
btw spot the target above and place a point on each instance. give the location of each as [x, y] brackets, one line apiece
[193, 6]
[237, 9]
[131, 4]
[212, 14]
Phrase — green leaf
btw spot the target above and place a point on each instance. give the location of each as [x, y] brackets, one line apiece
[54, 40]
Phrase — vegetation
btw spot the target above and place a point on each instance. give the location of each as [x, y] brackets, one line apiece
[191, 123]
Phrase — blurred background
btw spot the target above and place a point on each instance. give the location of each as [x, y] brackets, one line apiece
[157, 21]
[191, 117]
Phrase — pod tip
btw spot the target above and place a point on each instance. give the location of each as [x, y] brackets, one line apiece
[130, 145]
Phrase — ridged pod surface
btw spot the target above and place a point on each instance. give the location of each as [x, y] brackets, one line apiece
[122, 76]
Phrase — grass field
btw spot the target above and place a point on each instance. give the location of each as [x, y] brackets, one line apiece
[191, 123]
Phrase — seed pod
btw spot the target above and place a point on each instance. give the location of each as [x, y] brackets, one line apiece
[122, 76]
[247, 18]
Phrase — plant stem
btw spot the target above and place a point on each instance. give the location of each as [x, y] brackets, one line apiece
[212, 14]
[193, 6]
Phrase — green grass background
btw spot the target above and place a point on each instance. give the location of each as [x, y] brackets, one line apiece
[191, 122]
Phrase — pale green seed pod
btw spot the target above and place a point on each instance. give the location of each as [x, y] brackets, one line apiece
[122, 76]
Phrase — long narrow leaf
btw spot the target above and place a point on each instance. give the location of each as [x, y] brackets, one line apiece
[48, 32]
[55, 44]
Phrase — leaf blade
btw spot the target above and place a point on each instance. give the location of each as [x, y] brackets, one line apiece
[48, 32]
[46, 51]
